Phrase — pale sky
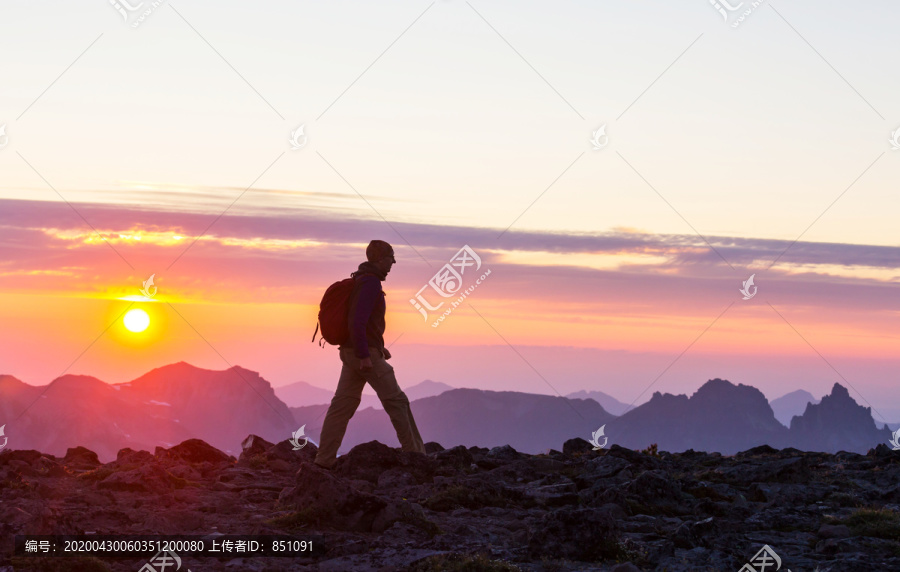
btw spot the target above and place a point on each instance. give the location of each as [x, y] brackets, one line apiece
[454, 121]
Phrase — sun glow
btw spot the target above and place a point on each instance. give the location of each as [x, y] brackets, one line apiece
[136, 320]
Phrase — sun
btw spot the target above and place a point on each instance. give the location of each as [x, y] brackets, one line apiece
[136, 320]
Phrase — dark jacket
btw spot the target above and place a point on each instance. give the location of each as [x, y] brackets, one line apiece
[367, 308]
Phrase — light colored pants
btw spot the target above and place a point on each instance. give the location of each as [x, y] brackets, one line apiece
[347, 398]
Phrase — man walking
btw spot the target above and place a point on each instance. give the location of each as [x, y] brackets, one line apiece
[364, 359]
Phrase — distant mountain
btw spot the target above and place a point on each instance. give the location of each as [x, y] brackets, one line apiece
[302, 394]
[528, 422]
[727, 418]
[792, 404]
[178, 402]
[720, 416]
[424, 389]
[161, 408]
[608, 402]
[837, 423]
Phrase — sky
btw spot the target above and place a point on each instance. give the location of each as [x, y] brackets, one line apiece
[163, 147]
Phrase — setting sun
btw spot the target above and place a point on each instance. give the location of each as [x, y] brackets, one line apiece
[136, 320]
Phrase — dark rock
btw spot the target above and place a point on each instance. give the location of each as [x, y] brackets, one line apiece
[396, 477]
[762, 450]
[576, 445]
[630, 455]
[882, 451]
[254, 445]
[579, 534]
[284, 451]
[383, 509]
[82, 457]
[48, 467]
[330, 501]
[655, 488]
[130, 456]
[198, 451]
[369, 460]
[691, 534]
[457, 458]
[28, 456]
[625, 567]
[834, 531]
[150, 478]
[432, 447]
[504, 453]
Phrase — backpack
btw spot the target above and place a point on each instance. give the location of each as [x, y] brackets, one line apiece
[334, 312]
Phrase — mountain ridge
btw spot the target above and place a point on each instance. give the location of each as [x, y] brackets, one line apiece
[180, 401]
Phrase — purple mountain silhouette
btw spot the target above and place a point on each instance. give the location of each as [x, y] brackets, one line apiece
[174, 403]
[161, 408]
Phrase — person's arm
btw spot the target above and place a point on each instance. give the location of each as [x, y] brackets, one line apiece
[365, 302]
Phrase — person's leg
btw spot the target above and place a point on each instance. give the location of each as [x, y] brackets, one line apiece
[395, 402]
[343, 405]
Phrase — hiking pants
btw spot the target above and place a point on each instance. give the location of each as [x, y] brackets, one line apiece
[347, 398]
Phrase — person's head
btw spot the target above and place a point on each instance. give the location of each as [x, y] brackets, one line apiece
[381, 254]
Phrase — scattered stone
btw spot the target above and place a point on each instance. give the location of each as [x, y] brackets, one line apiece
[475, 508]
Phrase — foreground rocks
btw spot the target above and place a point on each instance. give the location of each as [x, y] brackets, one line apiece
[383, 509]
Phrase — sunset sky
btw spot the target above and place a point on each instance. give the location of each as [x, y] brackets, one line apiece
[164, 150]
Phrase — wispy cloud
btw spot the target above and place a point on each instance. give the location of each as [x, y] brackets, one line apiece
[298, 248]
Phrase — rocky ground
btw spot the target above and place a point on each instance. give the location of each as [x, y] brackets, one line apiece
[470, 509]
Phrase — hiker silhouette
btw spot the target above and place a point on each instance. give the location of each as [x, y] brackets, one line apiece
[364, 359]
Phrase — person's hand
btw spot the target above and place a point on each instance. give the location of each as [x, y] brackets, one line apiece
[387, 354]
[365, 364]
